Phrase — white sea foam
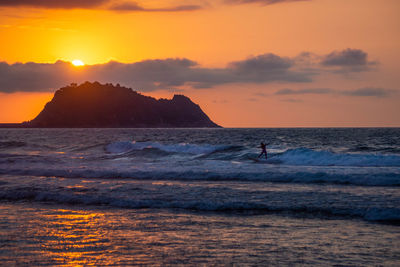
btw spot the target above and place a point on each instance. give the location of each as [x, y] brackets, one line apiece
[304, 156]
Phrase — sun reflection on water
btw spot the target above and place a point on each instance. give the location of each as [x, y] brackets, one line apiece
[74, 238]
[86, 238]
[70, 236]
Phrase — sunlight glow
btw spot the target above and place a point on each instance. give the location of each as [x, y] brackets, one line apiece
[77, 62]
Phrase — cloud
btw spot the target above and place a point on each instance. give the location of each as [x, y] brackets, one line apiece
[370, 91]
[132, 6]
[347, 57]
[124, 5]
[261, 94]
[266, 68]
[287, 91]
[156, 74]
[262, 2]
[262, 63]
[292, 100]
[115, 5]
[167, 74]
[149, 75]
[343, 62]
[365, 91]
[67, 4]
[30, 77]
[348, 60]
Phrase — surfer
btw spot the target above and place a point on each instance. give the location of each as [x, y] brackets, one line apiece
[264, 150]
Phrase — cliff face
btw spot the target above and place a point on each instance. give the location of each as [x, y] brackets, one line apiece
[108, 106]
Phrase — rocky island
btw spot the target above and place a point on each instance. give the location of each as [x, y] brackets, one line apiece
[91, 105]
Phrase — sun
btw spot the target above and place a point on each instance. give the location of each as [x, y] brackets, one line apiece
[77, 62]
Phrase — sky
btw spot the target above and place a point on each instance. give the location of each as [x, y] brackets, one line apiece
[247, 63]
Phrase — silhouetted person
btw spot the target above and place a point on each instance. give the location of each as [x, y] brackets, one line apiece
[264, 150]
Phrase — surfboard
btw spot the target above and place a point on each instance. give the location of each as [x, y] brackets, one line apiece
[255, 159]
[266, 161]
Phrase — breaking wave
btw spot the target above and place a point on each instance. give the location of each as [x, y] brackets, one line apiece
[288, 176]
[309, 157]
[136, 198]
[296, 157]
[124, 147]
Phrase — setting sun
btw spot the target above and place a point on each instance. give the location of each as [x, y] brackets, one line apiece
[77, 62]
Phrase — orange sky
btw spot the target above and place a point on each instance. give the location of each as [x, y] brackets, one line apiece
[215, 34]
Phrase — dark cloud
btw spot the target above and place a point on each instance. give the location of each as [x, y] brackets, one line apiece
[353, 59]
[261, 94]
[67, 4]
[287, 91]
[266, 68]
[148, 75]
[31, 76]
[263, 2]
[153, 74]
[343, 62]
[95, 4]
[168, 74]
[365, 91]
[369, 91]
[262, 63]
[292, 100]
[132, 6]
[123, 5]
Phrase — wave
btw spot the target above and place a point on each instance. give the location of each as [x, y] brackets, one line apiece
[11, 144]
[183, 161]
[301, 177]
[293, 157]
[309, 157]
[125, 147]
[135, 198]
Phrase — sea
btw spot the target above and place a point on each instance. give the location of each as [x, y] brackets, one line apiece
[200, 197]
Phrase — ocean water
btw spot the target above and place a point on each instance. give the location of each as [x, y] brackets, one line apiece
[200, 197]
